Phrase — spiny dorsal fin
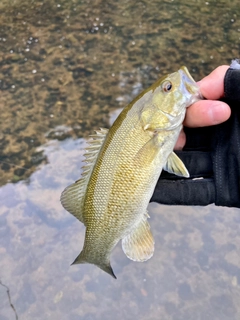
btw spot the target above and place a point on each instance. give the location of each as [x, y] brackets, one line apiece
[175, 165]
[139, 244]
[72, 197]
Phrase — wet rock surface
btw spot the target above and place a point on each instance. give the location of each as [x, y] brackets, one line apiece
[69, 63]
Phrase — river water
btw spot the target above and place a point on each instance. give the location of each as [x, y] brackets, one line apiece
[66, 69]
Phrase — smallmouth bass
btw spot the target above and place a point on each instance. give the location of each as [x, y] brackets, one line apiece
[122, 167]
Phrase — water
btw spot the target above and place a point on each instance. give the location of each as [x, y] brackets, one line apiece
[66, 67]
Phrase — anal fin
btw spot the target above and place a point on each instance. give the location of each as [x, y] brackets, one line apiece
[139, 244]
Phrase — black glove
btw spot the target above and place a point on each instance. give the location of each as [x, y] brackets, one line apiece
[212, 157]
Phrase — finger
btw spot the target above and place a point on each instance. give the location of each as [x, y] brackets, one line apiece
[206, 113]
[181, 141]
[212, 86]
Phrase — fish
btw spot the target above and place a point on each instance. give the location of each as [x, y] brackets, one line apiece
[123, 165]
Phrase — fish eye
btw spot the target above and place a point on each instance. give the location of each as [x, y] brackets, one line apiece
[167, 86]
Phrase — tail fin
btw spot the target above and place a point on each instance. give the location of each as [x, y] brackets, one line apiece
[104, 265]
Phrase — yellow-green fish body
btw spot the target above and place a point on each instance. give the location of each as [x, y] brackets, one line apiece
[123, 166]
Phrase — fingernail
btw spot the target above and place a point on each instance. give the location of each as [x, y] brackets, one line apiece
[219, 112]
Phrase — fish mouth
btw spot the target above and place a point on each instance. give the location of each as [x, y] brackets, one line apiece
[186, 73]
[190, 85]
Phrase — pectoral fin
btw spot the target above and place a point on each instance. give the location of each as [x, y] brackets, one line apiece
[139, 244]
[147, 153]
[175, 165]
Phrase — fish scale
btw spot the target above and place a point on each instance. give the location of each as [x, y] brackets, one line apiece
[123, 166]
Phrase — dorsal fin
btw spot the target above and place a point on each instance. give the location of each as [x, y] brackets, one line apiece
[72, 197]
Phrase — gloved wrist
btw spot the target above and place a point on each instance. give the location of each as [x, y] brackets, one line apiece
[232, 84]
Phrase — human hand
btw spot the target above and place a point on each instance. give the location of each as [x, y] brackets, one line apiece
[207, 112]
[211, 150]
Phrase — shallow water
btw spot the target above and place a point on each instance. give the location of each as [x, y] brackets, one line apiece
[66, 67]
